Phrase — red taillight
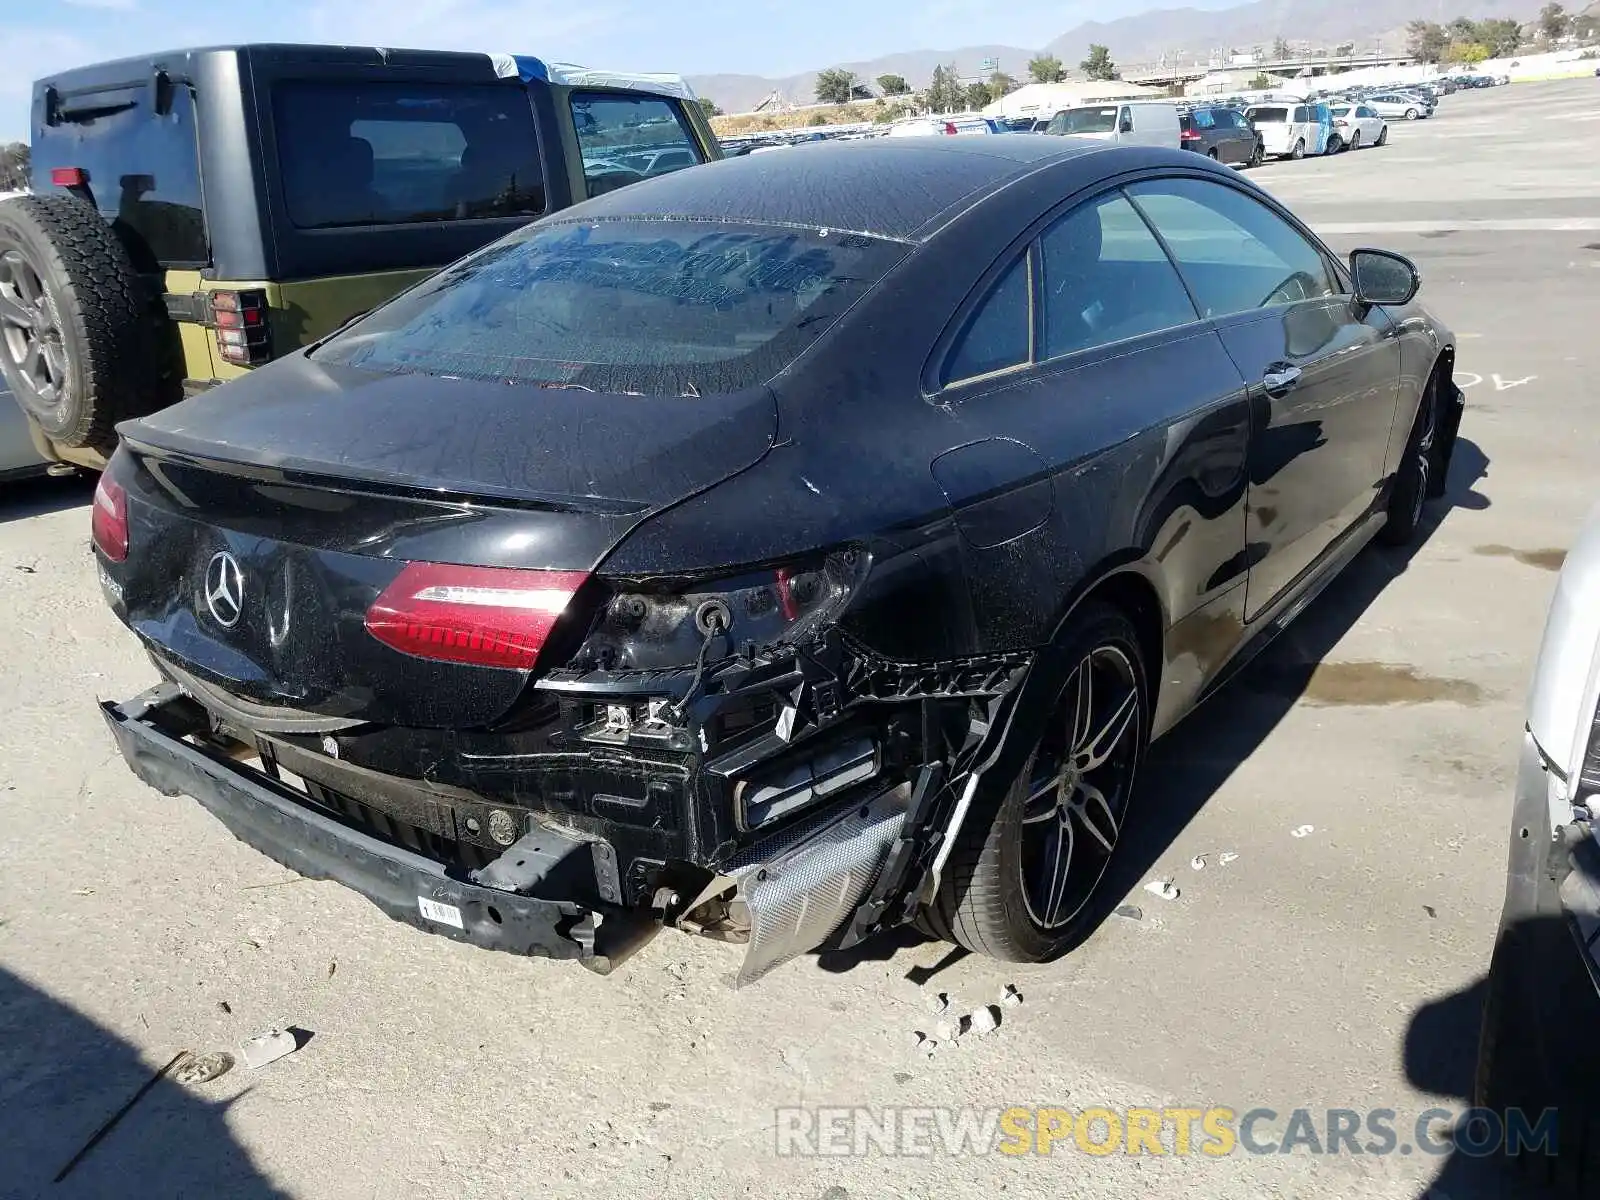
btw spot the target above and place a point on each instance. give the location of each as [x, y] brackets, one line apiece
[68, 177]
[1340, 123]
[1188, 135]
[486, 616]
[240, 319]
[110, 521]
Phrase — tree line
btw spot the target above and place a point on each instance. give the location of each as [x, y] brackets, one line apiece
[1467, 41]
[13, 167]
[945, 91]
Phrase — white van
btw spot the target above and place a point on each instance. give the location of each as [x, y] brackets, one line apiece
[1127, 123]
[1288, 130]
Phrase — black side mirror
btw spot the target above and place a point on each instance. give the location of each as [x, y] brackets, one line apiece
[1127, 123]
[1383, 277]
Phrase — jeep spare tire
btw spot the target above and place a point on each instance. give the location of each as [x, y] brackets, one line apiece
[72, 320]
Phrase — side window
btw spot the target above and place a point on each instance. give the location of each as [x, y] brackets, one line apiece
[626, 138]
[1300, 114]
[1106, 278]
[373, 153]
[997, 334]
[1235, 253]
[1204, 118]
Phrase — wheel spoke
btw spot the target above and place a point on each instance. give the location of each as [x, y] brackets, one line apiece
[12, 311]
[1099, 748]
[24, 279]
[55, 361]
[1049, 792]
[33, 360]
[1082, 686]
[1093, 810]
[1060, 870]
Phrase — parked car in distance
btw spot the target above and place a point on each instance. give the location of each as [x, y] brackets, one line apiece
[1399, 106]
[1128, 123]
[19, 458]
[955, 125]
[334, 177]
[1359, 125]
[1287, 130]
[1543, 977]
[1220, 133]
[572, 594]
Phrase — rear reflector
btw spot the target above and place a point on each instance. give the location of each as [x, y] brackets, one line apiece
[109, 523]
[485, 616]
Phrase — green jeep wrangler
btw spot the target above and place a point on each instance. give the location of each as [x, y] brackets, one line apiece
[201, 212]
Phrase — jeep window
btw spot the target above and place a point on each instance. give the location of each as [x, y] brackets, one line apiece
[354, 154]
[642, 307]
[626, 138]
[143, 169]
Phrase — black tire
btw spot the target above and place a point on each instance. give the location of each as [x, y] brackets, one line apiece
[1256, 156]
[1355, 140]
[1534, 1051]
[1383, 137]
[75, 344]
[1212, 154]
[984, 902]
[1413, 477]
[1299, 150]
[1335, 144]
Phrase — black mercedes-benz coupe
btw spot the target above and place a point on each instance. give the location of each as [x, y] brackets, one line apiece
[780, 550]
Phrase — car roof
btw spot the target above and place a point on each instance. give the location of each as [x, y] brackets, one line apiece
[473, 66]
[891, 187]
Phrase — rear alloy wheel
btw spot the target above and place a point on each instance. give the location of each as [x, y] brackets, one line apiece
[76, 344]
[1411, 114]
[1411, 481]
[1383, 137]
[1355, 140]
[1020, 877]
[1299, 150]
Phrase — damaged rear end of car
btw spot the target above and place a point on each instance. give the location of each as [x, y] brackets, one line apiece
[411, 637]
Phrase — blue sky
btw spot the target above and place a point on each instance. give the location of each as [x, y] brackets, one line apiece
[692, 37]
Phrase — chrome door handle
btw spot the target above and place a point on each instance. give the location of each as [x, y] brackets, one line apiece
[1280, 379]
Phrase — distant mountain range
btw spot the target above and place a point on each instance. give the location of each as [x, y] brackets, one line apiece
[1142, 39]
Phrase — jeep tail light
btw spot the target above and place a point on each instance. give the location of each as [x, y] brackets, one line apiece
[484, 616]
[109, 523]
[240, 319]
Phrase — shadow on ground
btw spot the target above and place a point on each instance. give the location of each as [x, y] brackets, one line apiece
[62, 1076]
[41, 494]
[1187, 767]
[1540, 1068]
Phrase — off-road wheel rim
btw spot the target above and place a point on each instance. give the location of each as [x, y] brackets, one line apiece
[30, 330]
[1079, 785]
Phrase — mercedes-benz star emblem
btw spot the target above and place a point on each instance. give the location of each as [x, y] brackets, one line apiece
[224, 594]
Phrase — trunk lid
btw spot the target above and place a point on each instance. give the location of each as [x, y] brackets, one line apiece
[318, 485]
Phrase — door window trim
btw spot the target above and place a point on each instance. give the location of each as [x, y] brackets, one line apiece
[1335, 268]
[934, 389]
[934, 386]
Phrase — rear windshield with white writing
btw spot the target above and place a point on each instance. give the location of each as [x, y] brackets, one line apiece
[647, 307]
[1269, 116]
